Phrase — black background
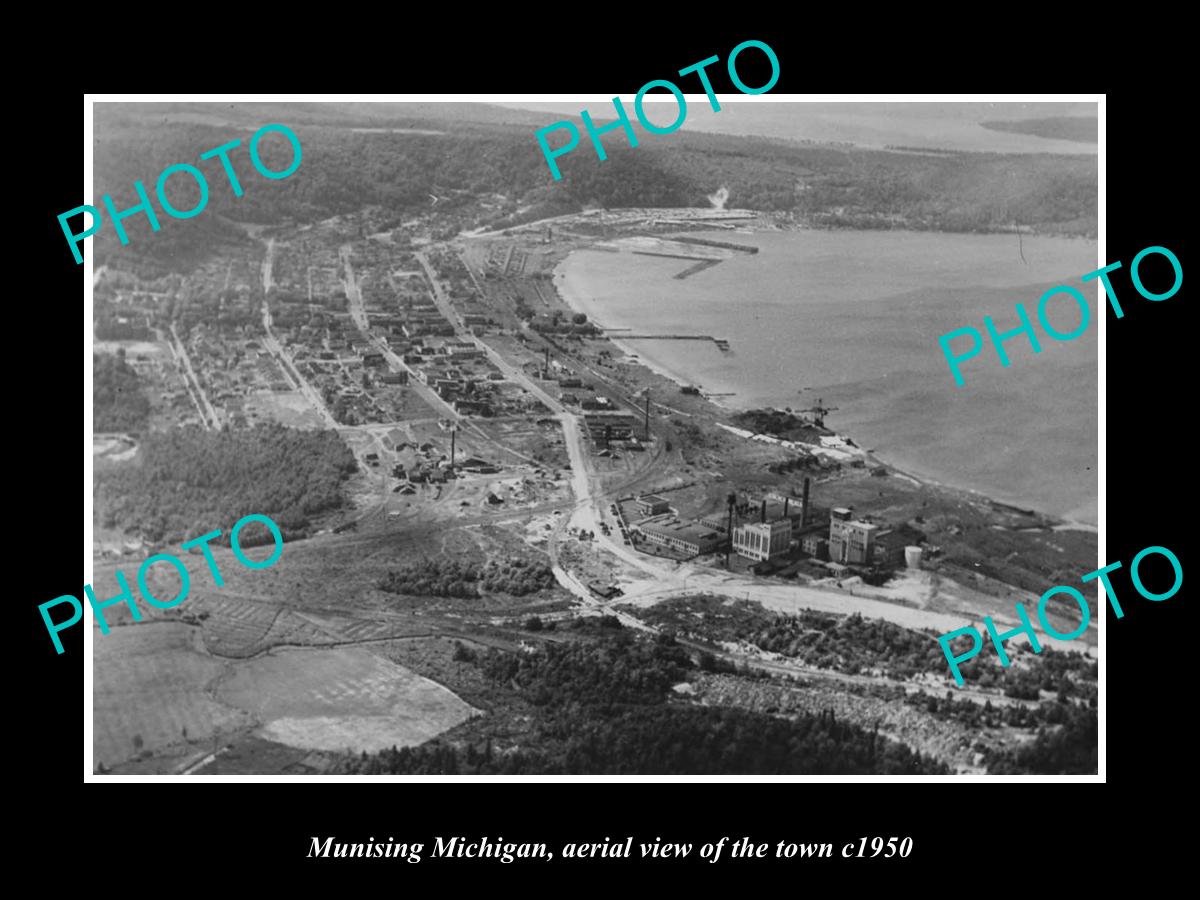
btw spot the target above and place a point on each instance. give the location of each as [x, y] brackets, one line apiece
[964, 833]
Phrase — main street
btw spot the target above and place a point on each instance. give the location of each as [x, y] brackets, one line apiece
[272, 344]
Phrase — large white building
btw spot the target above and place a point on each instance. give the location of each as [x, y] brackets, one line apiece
[762, 540]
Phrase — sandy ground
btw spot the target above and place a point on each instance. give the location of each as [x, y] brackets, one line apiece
[290, 408]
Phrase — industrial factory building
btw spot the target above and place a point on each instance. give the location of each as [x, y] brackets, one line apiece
[815, 545]
[781, 519]
[604, 427]
[891, 542]
[684, 538]
[851, 541]
[762, 540]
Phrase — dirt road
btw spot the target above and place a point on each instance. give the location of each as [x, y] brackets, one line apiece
[207, 414]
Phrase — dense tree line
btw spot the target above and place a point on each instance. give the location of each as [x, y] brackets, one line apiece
[188, 481]
[602, 707]
[455, 578]
[118, 401]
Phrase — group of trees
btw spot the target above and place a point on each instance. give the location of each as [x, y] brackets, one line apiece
[118, 401]
[188, 481]
[516, 577]
[601, 706]
[854, 644]
[849, 644]
[1068, 674]
[781, 423]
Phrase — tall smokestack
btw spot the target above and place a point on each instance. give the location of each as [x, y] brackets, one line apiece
[732, 501]
[804, 511]
[785, 506]
[764, 510]
[453, 435]
[646, 435]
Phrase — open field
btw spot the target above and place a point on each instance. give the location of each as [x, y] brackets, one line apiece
[343, 699]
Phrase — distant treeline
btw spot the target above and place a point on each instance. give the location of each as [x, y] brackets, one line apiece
[118, 401]
[188, 481]
[344, 171]
[1081, 129]
[602, 707]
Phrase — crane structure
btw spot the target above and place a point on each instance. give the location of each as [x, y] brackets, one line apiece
[819, 412]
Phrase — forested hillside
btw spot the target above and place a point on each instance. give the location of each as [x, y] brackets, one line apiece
[188, 481]
[344, 170]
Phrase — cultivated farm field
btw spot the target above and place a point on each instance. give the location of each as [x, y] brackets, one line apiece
[149, 682]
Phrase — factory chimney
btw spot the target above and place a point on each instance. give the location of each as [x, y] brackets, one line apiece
[453, 435]
[732, 502]
[646, 429]
[804, 511]
[785, 506]
[764, 510]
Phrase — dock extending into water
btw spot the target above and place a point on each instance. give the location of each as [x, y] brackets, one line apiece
[708, 242]
[621, 333]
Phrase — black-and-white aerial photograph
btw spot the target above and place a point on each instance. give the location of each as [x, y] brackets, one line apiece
[659, 467]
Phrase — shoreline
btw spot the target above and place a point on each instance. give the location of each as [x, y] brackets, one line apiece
[1061, 521]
